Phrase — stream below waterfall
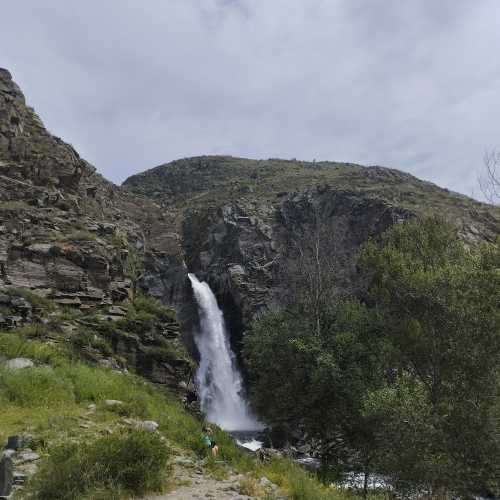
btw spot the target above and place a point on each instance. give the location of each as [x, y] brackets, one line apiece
[218, 378]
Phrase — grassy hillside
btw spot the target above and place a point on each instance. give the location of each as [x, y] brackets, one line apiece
[208, 181]
[61, 404]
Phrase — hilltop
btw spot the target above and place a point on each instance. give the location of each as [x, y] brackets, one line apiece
[237, 219]
[208, 181]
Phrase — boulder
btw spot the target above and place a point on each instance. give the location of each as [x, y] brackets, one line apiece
[6, 474]
[19, 363]
[112, 402]
[146, 425]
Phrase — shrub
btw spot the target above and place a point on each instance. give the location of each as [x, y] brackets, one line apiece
[110, 467]
[154, 307]
[251, 488]
[34, 387]
[87, 338]
[34, 299]
[15, 346]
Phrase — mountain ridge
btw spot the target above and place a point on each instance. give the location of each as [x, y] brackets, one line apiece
[226, 178]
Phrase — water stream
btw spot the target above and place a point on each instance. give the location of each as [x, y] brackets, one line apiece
[219, 381]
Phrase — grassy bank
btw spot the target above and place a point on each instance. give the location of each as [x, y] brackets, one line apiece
[50, 402]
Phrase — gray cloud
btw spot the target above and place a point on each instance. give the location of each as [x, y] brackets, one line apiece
[411, 85]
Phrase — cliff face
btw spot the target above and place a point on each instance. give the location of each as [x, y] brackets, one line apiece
[238, 220]
[65, 232]
[66, 235]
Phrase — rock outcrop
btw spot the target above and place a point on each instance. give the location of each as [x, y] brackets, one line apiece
[77, 242]
[65, 232]
[238, 221]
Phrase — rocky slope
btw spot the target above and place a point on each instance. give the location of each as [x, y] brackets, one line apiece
[239, 220]
[70, 236]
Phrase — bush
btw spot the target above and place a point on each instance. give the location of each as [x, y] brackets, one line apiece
[34, 299]
[251, 488]
[86, 338]
[15, 346]
[110, 467]
[34, 387]
[154, 307]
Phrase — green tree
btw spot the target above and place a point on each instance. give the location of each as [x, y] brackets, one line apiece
[318, 381]
[440, 303]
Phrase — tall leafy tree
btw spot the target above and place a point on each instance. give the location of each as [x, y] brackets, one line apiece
[318, 380]
[440, 302]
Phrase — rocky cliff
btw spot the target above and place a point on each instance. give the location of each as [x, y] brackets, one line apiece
[238, 220]
[67, 235]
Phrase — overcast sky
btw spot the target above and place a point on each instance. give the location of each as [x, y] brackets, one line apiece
[410, 84]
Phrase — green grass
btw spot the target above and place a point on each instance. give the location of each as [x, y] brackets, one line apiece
[86, 338]
[19, 345]
[154, 307]
[74, 384]
[49, 401]
[109, 467]
[35, 300]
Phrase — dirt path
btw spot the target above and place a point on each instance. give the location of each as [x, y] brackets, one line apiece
[192, 483]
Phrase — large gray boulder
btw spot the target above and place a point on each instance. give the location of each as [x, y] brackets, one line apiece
[19, 364]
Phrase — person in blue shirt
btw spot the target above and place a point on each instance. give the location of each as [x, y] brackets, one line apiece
[208, 441]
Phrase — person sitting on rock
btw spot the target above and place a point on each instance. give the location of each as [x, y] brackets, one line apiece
[209, 441]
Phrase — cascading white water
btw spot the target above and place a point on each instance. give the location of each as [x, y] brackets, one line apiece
[218, 379]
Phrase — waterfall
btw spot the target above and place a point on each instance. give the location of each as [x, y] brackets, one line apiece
[219, 381]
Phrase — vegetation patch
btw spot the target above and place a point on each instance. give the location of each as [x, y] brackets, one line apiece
[50, 401]
[130, 463]
[35, 300]
[405, 385]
